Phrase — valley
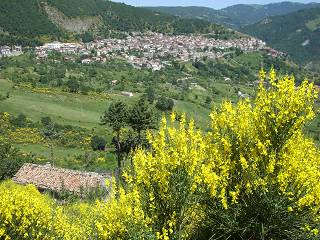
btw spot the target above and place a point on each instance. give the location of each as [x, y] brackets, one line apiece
[124, 122]
[73, 82]
[75, 94]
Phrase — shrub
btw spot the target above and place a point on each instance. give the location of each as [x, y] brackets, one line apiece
[165, 104]
[254, 175]
[27, 214]
[46, 121]
[20, 121]
[98, 143]
[73, 85]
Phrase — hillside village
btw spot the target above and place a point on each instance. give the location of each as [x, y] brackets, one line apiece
[152, 50]
[121, 122]
[148, 50]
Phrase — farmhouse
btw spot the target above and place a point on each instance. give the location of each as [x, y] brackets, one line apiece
[46, 177]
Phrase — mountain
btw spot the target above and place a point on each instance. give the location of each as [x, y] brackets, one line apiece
[297, 34]
[236, 16]
[32, 21]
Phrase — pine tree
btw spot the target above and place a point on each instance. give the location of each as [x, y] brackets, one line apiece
[116, 117]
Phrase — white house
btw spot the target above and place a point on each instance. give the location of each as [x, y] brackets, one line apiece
[86, 61]
[127, 94]
[5, 51]
[53, 45]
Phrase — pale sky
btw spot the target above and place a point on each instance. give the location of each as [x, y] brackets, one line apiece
[206, 3]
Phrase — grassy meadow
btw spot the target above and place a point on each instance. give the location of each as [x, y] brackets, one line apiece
[194, 87]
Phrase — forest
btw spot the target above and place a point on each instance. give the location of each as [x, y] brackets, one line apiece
[27, 23]
[296, 33]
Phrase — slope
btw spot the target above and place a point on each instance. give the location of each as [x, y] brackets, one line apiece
[34, 21]
[297, 34]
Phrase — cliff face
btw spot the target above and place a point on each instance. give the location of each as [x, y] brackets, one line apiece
[73, 24]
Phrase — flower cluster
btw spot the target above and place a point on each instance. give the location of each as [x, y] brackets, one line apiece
[25, 213]
[43, 90]
[18, 135]
[26, 136]
[73, 139]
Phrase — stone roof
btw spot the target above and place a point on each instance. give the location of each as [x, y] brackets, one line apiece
[51, 178]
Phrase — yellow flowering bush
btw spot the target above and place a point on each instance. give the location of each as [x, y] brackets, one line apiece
[4, 125]
[22, 135]
[26, 135]
[170, 177]
[122, 217]
[73, 138]
[43, 90]
[25, 213]
[254, 175]
[271, 182]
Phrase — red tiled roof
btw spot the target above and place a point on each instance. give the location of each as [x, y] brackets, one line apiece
[57, 179]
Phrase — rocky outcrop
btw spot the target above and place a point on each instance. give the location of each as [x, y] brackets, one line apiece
[77, 24]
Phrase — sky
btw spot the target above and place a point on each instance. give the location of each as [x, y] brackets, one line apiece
[217, 4]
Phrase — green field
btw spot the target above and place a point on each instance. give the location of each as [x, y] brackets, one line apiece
[64, 108]
[76, 110]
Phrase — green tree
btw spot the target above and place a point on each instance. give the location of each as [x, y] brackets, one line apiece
[98, 143]
[20, 121]
[10, 160]
[208, 100]
[46, 121]
[165, 104]
[73, 86]
[50, 132]
[142, 117]
[87, 37]
[116, 117]
[150, 94]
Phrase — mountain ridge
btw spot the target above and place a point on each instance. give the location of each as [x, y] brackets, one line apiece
[296, 33]
[235, 16]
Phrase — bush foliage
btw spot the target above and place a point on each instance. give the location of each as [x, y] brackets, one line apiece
[98, 143]
[254, 175]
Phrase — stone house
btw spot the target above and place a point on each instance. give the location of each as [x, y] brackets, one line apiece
[47, 177]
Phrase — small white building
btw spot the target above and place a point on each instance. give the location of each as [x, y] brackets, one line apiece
[87, 61]
[53, 45]
[5, 51]
[127, 94]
